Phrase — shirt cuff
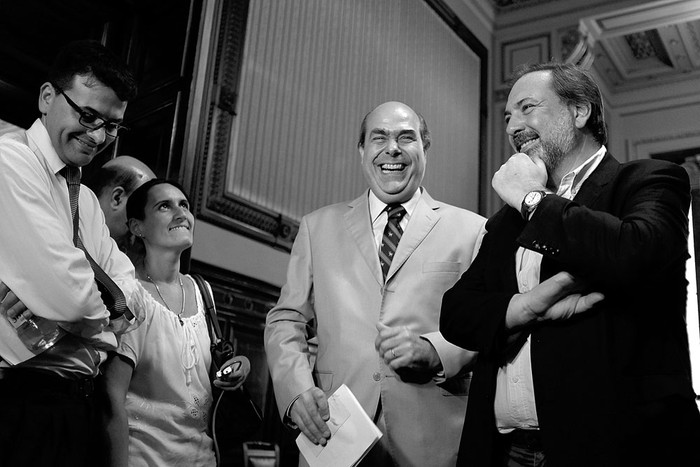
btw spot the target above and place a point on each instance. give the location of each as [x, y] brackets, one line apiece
[287, 419]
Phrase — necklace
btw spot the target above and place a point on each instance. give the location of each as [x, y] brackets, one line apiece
[182, 288]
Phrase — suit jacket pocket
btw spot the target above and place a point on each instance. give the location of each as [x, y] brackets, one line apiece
[457, 385]
[445, 266]
[324, 380]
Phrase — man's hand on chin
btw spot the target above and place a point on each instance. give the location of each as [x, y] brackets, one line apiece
[518, 176]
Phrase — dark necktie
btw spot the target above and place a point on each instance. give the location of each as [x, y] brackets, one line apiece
[112, 295]
[391, 237]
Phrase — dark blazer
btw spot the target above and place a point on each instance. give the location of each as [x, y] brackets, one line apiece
[625, 233]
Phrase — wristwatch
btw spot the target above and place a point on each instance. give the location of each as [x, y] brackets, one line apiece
[531, 201]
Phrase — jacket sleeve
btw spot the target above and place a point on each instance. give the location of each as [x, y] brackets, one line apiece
[473, 310]
[287, 326]
[646, 229]
[641, 233]
[455, 359]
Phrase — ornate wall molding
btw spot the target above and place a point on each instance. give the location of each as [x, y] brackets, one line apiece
[643, 148]
[214, 202]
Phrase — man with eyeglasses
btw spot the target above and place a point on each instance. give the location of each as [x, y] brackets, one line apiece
[91, 120]
[50, 403]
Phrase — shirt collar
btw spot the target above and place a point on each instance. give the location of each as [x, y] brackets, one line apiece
[572, 181]
[376, 206]
[39, 135]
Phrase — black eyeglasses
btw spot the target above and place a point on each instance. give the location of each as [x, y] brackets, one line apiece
[90, 120]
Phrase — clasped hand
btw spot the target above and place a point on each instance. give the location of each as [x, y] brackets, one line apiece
[519, 175]
[401, 348]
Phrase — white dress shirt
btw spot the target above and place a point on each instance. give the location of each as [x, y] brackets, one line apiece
[515, 391]
[380, 217]
[39, 262]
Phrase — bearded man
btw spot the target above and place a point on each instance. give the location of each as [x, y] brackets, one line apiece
[576, 300]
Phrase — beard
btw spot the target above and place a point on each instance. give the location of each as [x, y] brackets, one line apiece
[556, 146]
[551, 154]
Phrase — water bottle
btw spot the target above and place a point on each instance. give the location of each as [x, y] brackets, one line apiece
[38, 334]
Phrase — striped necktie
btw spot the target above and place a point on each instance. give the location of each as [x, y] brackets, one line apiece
[391, 237]
[112, 295]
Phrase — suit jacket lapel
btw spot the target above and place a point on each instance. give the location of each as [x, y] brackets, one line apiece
[358, 224]
[587, 196]
[422, 221]
[594, 184]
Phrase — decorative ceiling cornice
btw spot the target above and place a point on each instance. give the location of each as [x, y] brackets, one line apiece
[510, 5]
[655, 43]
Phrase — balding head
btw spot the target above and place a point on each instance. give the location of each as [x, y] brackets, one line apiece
[392, 150]
[113, 183]
[424, 132]
[131, 166]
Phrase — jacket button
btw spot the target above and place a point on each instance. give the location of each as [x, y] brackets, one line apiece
[376, 376]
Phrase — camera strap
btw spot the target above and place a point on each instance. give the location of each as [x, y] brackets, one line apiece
[207, 296]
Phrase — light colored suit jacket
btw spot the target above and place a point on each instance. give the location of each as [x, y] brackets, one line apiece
[335, 290]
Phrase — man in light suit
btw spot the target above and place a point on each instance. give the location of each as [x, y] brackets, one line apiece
[378, 335]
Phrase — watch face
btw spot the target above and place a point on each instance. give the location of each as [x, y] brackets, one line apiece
[533, 198]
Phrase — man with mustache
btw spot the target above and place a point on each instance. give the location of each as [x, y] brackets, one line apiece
[576, 300]
[374, 309]
[49, 403]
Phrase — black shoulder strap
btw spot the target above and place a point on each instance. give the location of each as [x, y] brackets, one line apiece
[214, 329]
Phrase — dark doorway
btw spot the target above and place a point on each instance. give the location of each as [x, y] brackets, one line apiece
[157, 38]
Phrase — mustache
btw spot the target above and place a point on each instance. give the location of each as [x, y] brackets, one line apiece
[523, 137]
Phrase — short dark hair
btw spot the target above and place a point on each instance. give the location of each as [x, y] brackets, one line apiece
[89, 57]
[136, 204]
[107, 177]
[574, 86]
[423, 128]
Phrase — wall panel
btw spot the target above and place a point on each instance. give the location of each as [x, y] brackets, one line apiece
[281, 88]
[313, 68]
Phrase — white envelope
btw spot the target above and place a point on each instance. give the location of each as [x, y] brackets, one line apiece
[352, 434]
